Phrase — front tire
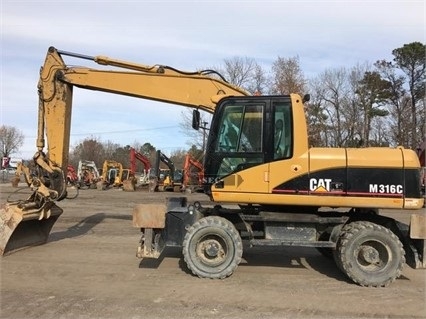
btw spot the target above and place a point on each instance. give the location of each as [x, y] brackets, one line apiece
[370, 254]
[212, 248]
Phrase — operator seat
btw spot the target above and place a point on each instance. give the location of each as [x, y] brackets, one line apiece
[278, 150]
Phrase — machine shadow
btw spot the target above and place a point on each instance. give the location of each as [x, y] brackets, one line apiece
[296, 257]
[168, 252]
[292, 257]
[84, 226]
[281, 257]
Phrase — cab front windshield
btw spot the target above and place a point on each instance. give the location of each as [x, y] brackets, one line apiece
[240, 138]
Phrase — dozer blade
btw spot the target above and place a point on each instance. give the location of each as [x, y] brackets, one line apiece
[20, 229]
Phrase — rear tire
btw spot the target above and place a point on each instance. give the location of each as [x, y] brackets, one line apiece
[212, 248]
[370, 254]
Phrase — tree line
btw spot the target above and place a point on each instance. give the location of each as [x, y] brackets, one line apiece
[93, 149]
[369, 104]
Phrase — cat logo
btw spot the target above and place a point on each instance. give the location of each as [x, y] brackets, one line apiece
[320, 185]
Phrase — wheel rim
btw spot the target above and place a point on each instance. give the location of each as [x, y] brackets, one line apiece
[212, 250]
[372, 256]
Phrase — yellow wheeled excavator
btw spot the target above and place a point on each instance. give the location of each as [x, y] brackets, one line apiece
[268, 187]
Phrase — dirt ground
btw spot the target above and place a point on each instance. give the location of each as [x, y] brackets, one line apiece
[88, 269]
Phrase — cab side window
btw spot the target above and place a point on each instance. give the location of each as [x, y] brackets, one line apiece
[283, 139]
[251, 137]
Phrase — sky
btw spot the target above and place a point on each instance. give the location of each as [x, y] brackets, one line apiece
[187, 35]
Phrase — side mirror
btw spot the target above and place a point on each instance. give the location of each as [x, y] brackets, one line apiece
[306, 98]
[196, 119]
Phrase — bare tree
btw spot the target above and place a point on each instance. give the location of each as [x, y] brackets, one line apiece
[109, 150]
[239, 70]
[380, 134]
[354, 123]
[178, 158]
[316, 114]
[90, 149]
[122, 155]
[259, 81]
[11, 139]
[197, 138]
[334, 93]
[287, 76]
[244, 72]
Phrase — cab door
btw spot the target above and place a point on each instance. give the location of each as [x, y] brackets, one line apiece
[288, 169]
[236, 154]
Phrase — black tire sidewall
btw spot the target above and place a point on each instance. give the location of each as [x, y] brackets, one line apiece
[356, 235]
[215, 226]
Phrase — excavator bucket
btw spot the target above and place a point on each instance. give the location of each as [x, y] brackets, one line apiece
[129, 185]
[20, 229]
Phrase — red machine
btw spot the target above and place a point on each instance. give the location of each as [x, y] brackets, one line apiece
[191, 162]
[72, 177]
[134, 155]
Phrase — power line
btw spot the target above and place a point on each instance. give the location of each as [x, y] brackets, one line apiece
[118, 132]
[126, 131]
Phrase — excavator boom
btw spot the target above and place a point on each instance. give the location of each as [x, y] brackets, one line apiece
[198, 90]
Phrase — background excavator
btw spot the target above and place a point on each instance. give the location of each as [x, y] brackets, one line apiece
[113, 175]
[72, 176]
[130, 183]
[278, 191]
[134, 155]
[169, 179]
[187, 183]
[88, 174]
